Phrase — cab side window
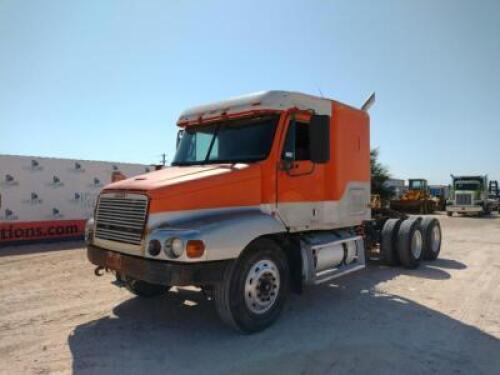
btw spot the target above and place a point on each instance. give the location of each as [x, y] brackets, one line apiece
[297, 142]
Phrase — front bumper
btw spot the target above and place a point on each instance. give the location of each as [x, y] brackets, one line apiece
[464, 209]
[158, 271]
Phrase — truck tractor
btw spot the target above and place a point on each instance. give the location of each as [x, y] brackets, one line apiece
[267, 194]
[417, 199]
[470, 196]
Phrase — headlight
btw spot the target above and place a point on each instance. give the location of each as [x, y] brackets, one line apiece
[174, 247]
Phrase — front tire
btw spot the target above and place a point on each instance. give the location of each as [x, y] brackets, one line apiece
[255, 287]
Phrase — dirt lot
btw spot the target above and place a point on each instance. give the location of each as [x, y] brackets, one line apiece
[444, 318]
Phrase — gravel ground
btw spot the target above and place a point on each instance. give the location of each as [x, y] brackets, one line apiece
[443, 318]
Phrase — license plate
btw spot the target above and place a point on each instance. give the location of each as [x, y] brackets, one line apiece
[114, 261]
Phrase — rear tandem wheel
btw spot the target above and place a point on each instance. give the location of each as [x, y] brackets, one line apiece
[410, 242]
[388, 242]
[431, 230]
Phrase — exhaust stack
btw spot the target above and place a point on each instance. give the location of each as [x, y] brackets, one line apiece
[368, 103]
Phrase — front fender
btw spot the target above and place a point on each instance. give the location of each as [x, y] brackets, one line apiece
[225, 234]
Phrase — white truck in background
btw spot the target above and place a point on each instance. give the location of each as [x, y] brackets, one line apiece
[470, 195]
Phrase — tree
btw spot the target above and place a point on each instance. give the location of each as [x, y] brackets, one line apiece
[380, 175]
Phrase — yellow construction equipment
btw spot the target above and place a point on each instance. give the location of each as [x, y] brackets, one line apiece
[416, 200]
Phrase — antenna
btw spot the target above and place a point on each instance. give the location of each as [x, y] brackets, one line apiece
[320, 92]
[368, 103]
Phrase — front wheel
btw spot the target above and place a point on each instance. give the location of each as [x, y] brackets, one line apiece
[254, 290]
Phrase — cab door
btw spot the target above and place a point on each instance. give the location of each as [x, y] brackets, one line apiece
[300, 182]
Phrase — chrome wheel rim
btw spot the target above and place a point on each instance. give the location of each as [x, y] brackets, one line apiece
[416, 244]
[436, 239]
[262, 286]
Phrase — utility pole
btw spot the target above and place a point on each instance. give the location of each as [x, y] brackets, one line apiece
[163, 159]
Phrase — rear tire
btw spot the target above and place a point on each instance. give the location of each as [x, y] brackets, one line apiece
[449, 213]
[388, 242]
[255, 287]
[431, 230]
[144, 289]
[410, 243]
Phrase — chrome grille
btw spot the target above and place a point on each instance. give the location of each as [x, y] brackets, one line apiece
[121, 218]
[463, 199]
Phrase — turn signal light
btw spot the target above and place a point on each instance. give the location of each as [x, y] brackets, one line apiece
[195, 248]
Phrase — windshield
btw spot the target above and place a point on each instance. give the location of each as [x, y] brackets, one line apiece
[467, 185]
[417, 184]
[244, 140]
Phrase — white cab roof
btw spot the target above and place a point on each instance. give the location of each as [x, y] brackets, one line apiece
[279, 100]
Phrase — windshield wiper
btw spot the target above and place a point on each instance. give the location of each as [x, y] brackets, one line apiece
[212, 142]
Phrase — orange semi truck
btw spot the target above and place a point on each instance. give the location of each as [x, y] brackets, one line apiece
[267, 193]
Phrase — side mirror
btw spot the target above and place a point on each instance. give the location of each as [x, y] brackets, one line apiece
[287, 161]
[180, 133]
[319, 139]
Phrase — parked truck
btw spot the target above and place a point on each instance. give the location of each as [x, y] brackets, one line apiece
[267, 193]
[470, 195]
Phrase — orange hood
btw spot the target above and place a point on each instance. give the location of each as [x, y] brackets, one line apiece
[197, 187]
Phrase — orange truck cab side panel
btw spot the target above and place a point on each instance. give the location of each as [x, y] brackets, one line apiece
[350, 149]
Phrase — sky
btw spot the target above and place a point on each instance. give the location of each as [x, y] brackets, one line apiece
[106, 80]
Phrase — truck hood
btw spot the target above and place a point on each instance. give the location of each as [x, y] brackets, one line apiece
[197, 187]
[172, 176]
